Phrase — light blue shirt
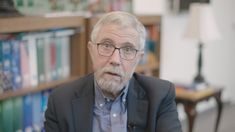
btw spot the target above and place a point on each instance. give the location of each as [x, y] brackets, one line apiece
[110, 115]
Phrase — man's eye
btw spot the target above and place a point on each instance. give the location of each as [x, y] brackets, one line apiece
[128, 49]
[107, 46]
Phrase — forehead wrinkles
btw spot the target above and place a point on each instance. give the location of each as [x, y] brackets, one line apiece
[118, 32]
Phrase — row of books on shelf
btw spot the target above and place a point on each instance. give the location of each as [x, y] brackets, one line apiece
[24, 113]
[29, 59]
[33, 7]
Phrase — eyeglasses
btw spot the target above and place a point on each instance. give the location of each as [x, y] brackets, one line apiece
[126, 53]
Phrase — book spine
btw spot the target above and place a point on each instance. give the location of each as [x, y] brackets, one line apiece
[47, 59]
[27, 113]
[40, 60]
[7, 74]
[31, 39]
[53, 58]
[37, 116]
[24, 62]
[18, 114]
[58, 58]
[65, 56]
[15, 64]
[7, 115]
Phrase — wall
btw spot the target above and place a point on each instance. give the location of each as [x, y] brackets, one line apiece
[179, 55]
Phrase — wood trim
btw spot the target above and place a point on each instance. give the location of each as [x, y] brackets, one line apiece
[22, 24]
[30, 90]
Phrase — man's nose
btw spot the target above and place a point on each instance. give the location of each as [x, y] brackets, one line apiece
[115, 59]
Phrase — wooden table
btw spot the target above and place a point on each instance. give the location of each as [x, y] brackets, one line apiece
[190, 99]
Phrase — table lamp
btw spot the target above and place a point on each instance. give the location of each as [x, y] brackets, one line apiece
[202, 27]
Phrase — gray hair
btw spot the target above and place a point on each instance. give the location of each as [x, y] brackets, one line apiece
[124, 20]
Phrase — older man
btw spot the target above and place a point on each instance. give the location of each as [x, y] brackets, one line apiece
[114, 98]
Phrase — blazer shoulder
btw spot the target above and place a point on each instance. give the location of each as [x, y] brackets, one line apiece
[73, 87]
[154, 85]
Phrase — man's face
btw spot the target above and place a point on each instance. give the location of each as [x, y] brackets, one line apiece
[112, 73]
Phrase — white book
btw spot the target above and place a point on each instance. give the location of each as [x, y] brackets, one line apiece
[65, 56]
[31, 39]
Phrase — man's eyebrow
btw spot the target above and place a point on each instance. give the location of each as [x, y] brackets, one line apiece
[106, 40]
[128, 44]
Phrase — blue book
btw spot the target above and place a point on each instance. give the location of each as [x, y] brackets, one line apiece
[7, 54]
[45, 96]
[27, 110]
[37, 115]
[15, 64]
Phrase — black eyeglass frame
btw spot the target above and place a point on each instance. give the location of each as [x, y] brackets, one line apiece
[136, 50]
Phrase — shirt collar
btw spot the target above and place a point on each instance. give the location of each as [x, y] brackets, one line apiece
[100, 98]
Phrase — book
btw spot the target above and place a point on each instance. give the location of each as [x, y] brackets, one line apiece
[65, 60]
[27, 113]
[36, 112]
[24, 64]
[47, 59]
[7, 115]
[58, 44]
[15, 64]
[7, 55]
[45, 96]
[40, 59]
[31, 40]
[53, 58]
[18, 114]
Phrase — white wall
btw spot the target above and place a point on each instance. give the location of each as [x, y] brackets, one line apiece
[179, 55]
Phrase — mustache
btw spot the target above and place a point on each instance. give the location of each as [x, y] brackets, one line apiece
[114, 70]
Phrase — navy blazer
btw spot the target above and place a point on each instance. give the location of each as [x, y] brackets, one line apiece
[150, 106]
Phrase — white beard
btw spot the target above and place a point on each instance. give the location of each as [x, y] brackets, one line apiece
[112, 85]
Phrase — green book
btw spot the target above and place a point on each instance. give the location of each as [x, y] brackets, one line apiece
[18, 114]
[7, 115]
[40, 58]
[58, 58]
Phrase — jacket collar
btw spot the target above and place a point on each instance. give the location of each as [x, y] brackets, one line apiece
[82, 105]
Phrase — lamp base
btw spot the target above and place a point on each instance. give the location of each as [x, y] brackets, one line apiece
[199, 79]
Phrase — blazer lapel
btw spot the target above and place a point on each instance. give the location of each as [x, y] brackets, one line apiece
[137, 107]
[83, 108]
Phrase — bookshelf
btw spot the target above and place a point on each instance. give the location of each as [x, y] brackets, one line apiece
[149, 21]
[77, 46]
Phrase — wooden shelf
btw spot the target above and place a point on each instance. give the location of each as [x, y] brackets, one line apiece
[39, 23]
[41, 87]
[150, 19]
[33, 23]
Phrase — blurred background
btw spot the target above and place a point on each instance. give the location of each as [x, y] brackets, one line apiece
[190, 43]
